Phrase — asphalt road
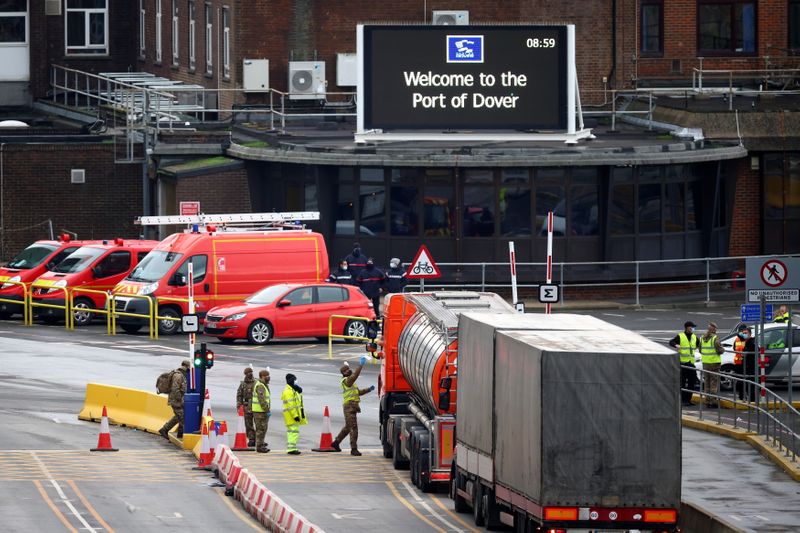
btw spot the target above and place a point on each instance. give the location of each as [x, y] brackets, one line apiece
[44, 448]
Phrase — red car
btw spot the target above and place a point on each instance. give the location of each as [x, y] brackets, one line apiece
[291, 310]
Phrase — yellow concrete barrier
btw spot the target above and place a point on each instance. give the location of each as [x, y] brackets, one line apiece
[126, 407]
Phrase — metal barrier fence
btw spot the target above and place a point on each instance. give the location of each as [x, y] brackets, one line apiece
[27, 317]
[89, 311]
[361, 320]
[767, 414]
[150, 316]
[66, 307]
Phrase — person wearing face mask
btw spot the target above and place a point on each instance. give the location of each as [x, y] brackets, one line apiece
[711, 350]
[686, 344]
[370, 281]
[744, 349]
[294, 414]
[356, 261]
[341, 275]
[396, 276]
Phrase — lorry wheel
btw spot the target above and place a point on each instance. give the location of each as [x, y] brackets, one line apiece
[81, 316]
[130, 329]
[456, 482]
[414, 465]
[490, 509]
[355, 328]
[398, 461]
[423, 463]
[477, 498]
[259, 332]
[168, 327]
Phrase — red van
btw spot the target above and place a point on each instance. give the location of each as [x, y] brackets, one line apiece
[28, 265]
[228, 264]
[96, 267]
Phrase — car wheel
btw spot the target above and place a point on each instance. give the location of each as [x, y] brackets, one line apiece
[168, 327]
[82, 317]
[726, 383]
[225, 340]
[130, 329]
[355, 328]
[259, 332]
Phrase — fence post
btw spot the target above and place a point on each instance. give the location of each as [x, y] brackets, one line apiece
[708, 280]
[637, 282]
[730, 91]
[613, 110]
[649, 110]
[561, 285]
[483, 277]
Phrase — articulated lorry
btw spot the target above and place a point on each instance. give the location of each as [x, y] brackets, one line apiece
[541, 422]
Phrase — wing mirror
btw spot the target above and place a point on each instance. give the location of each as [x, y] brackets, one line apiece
[284, 303]
[178, 280]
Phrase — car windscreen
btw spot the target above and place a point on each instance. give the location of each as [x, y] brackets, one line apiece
[32, 256]
[155, 266]
[79, 260]
[267, 295]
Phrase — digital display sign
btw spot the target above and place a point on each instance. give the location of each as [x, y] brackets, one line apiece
[464, 78]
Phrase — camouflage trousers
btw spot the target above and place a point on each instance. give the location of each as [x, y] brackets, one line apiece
[711, 383]
[176, 419]
[351, 409]
[249, 428]
[261, 422]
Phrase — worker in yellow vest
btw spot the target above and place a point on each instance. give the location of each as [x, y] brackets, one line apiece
[351, 396]
[783, 315]
[686, 344]
[294, 415]
[260, 407]
[711, 351]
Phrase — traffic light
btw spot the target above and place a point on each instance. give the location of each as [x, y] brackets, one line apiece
[209, 362]
[198, 359]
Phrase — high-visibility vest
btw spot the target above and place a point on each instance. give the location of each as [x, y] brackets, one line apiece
[687, 347]
[708, 350]
[349, 394]
[783, 317]
[292, 406]
[256, 405]
[738, 351]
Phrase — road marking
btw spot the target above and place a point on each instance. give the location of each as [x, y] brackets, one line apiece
[438, 501]
[89, 507]
[430, 510]
[612, 314]
[349, 516]
[411, 508]
[72, 508]
[239, 514]
[52, 506]
[704, 313]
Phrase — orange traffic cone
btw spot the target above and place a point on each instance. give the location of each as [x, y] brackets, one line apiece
[326, 439]
[104, 440]
[206, 453]
[240, 441]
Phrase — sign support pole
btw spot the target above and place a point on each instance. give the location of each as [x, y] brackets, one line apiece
[512, 257]
[761, 364]
[549, 254]
[789, 336]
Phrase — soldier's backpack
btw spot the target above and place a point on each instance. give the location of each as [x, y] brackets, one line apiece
[164, 382]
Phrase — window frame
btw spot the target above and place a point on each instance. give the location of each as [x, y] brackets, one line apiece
[142, 28]
[660, 51]
[208, 18]
[159, 37]
[344, 295]
[730, 52]
[18, 14]
[789, 28]
[192, 34]
[226, 42]
[176, 44]
[86, 49]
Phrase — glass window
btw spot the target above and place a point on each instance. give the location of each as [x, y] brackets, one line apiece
[209, 14]
[33, 256]
[199, 263]
[622, 203]
[158, 30]
[303, 296]
[267, 295]
[155, 266]
[226, 43]
[13, 21]
[479, 176]
[673, 206]
[372, 201]
[652, 26]
[87, 27]
[345, 214]
[479, 211]
[192, 35]
[794, 24]
[726, 26]
[550, 196]
[140, 256]
[80, 260]
[515, 203]
[405, 196]
[175, 33]
[114, 264]
[792, 196]
[693, 199]
[326, 295]
[438, 203]
[584, 207]
[650, 208]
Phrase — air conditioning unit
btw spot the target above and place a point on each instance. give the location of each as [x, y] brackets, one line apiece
[450, 18]
[307, 80]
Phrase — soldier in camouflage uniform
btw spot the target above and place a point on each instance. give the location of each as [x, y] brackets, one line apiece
[260, 407]
[351, 396]
[177, 390]
[244, 397]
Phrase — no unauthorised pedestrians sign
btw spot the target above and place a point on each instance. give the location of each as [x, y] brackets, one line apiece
[776, 279]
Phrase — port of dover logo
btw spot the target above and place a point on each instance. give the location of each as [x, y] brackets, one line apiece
[465, 48]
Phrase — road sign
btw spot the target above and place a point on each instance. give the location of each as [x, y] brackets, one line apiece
[775, 278]
[548, 294]
[190, 208]
[423, 265]
[752, 313]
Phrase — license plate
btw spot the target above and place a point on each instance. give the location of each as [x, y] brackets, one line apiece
[211, 324]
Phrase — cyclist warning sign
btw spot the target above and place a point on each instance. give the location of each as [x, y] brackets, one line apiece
[423, 266]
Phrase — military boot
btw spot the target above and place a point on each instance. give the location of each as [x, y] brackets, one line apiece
[355, 452]
[163, 432]
[335, 446]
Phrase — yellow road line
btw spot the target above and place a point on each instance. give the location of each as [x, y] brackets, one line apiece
[411, 508]
[53, 507]
[243, 517]
[455, 515]
[89, 507]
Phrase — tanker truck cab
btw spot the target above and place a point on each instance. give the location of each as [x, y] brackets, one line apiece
[232, 256]
[95, 267]
[28, 265]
